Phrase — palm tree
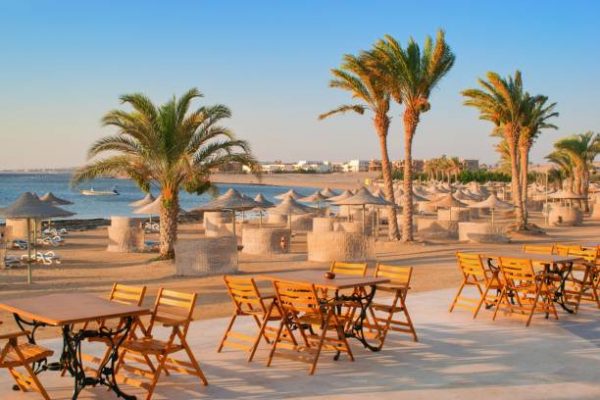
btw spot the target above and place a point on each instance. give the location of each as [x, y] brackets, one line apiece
[502, 102]
[362, 78]
[168, 146]
[581, 149]
[536, 116]
[412, 73]
[565, 168]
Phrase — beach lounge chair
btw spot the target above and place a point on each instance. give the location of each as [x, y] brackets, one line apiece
[248, 302]
[315, 321]
[22, 355]
[475, 274]
[524, 290]
[395, 315]
[172, 310]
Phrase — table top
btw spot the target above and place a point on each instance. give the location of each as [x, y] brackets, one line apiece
[69, 308]
[540, 258]
[341, 281]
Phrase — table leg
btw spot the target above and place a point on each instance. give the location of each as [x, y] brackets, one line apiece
[559, 295]
[364, 299]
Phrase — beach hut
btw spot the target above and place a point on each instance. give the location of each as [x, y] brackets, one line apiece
[31, 208]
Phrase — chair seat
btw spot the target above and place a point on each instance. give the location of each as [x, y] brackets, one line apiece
[31, 353]
[275, 314]
[317, 319]
[150, 346]
[386, 307]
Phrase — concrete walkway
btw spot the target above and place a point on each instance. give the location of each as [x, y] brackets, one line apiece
[457, 358]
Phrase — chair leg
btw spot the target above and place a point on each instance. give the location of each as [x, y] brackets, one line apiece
[195, 363]
[152, 386]
[460, 289]
[482, 300]
[229, 326]
[274, 347]
[15, 376]
[533, 306]
[342, 337]
[261, 332]
[409, 320]
[502, 297]
[324, 328]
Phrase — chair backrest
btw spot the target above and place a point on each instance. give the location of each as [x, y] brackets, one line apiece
[398, 275]
[127, 294]
[172, 306]
[344, 268]
[297, 298]
[564, 249]
[244, 293]
[539, 248]
[590, 255]
[471, 264]
[517, 271]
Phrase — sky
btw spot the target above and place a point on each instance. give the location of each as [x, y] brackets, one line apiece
[65, 64]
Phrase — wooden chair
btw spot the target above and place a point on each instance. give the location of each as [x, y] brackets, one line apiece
[580, 281]
[22, 355]
[562, 249]
[475, 274]
[539, 248]
[345, 268]
[525, 290]
[313, 319]
[398, 286]
[248, 302]
[173, 310]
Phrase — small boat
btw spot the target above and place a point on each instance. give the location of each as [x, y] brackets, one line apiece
[92, 192]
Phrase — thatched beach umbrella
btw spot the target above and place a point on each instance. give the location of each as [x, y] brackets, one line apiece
[262, 203]
[316, 197]
[492, 203]
[30, 207]
[148, 198]
[342, 196]
[289, 207]
[362, 198]
[327, 192]
[232, 201]
[55, 201]
[290, 193]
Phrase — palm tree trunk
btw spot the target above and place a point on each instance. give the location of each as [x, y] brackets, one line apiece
[169, 212]
[382, 125]
[524, 163]
[516, 185]
[411, 119]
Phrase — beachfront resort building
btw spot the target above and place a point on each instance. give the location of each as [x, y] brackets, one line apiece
[356, 166]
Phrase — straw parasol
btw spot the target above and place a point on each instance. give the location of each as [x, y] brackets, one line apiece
[492, 203]
[362, 197]
[327, 192]
[232, 201]
[342, 196]
[148, 198]
[28, 206]
[55, 201]
[262, 203]
[316, 197]
[289, 207]
[290, 193]
[447, 201]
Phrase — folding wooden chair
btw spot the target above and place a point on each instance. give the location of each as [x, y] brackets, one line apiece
[562, 249]
[173, 310]
[524, 290]
[539, 248]
[476, 274]
[248, 302]
[313, 319]
[398, 286]
[580, 284]
[23, 355]
[345, 268]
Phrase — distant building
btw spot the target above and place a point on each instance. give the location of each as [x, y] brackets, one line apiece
[374, 166]
[321, 167]
[469, 165]
[230, 168]
[356, 166]
[418, 165]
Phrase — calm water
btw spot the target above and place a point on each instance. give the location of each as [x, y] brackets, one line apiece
[12, 185]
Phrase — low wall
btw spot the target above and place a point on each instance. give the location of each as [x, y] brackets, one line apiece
[565, 216]
[206, 256]
[322, 224]
[453, 214]
[125, 235]
[481, 232]
[434, 229]
[265, 240]
[339, 246]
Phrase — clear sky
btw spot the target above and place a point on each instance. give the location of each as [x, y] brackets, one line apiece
[63, 64]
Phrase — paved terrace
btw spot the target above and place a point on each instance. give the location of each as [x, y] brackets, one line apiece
[457, 358]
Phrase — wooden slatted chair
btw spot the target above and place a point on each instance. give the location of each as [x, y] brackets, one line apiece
[580, 284]
[171, 310]
[539, 248]
[22, 355]
[475, 274]
[398, 286]
[248, 302]
[344, 268]
[562, 249]
[314, 321]
[524, 290]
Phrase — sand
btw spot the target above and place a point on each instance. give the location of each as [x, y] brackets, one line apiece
[334, 180]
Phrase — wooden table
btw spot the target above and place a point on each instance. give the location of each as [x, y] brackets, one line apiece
[552, 263]
[65, 310]
[363, 297]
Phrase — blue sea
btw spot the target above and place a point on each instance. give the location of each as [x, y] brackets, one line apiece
[12, 185]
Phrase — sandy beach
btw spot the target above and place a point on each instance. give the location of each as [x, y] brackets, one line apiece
[349, 180]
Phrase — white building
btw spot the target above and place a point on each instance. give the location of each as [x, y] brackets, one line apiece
[321, 167]
[356, 166]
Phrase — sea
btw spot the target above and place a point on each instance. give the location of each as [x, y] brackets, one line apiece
[87, 207]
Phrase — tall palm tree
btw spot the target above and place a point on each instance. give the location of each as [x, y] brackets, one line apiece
[564, 168]
[502, 102]
[412, 74]
[362, 78]
[581, 149]
[536, 115]
[168, 146]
